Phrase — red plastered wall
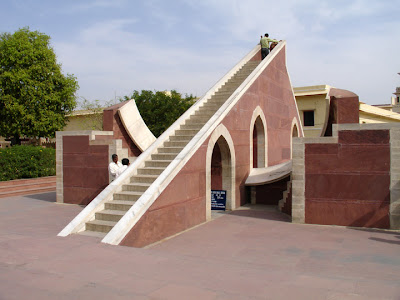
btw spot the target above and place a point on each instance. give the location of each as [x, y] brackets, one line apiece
[348, 183]
[85, 169]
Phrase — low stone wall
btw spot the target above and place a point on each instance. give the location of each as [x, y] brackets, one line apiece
[82, 164]
[351, 179]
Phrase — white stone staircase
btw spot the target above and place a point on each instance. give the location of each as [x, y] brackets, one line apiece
[131, 195]
[114, 209]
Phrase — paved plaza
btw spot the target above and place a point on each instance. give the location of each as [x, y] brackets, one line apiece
[247, 254]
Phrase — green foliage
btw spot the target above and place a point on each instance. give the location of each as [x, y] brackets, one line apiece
[160, 109]
[27, 162]
[34, 95]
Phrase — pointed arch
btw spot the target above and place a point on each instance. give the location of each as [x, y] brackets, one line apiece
[295, 133]
[259, 139]
[223, 139]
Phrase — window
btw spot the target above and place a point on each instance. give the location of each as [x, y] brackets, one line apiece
[308, 117]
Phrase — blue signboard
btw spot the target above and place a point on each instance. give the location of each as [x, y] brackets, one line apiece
[218, 200]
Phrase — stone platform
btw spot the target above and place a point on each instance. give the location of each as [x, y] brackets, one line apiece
[251, 253]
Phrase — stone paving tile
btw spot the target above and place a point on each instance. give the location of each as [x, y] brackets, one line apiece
[248, 254]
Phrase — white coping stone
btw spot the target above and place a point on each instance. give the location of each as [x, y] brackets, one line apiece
[260, 176]
[135, 126]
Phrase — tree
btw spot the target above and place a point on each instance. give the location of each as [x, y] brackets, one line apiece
[160, 109]
[35, 96]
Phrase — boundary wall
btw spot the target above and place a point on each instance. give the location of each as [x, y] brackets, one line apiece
[350, 179]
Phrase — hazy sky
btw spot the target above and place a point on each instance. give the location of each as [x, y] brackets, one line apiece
[114, 47]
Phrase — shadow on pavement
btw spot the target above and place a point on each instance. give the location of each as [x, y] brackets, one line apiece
[394, 234]
[268, 212]
[49, 197]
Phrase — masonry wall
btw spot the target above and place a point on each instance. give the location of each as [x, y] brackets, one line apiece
[85, 168]
[183, 203]
[348, 183]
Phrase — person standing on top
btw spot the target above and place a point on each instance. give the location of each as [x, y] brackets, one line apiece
[264, 41]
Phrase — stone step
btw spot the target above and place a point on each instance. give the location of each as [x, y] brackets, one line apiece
[157, 163]
[109, 215]
[204, 112]
[122, 205]
[95, 234]
[164, 156]
[203, 118]
[127, 196]
[150, 171]
[171, 150]
[190, 132]
[171, 144]
[100, 225]
[136, 187]
[144, 178]
[195, 126]
[186, 138]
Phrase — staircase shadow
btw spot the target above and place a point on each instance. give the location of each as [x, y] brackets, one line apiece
[267, 212]
[48, 197]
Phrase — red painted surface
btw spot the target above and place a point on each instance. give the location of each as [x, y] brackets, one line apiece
[216, 169]
[112, 122]
[85, 172]
[255, 148]
[344, 109]
[348, 183]
[183, 203]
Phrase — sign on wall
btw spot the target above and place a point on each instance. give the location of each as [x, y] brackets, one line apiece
[218, 200]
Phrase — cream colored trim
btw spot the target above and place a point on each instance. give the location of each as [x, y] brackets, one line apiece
[261, 176]
[301, 132]
[327, 111]
[295, 122]
[298, 181]
[135, 126]
[258, 112]
[228, 180]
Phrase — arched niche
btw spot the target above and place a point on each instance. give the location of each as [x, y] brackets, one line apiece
[258, 140]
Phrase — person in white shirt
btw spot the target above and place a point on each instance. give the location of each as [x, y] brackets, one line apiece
[113, 167]
[125, 165]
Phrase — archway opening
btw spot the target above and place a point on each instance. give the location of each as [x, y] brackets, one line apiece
[259, 144]
[295, 132]
[221, 170]
[216, 169]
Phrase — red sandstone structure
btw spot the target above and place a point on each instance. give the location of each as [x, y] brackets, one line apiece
[243, 136]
